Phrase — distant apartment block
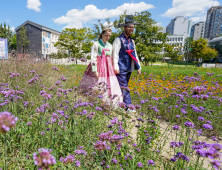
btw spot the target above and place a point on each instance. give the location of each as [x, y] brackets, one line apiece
[179, 26]
[197, 30]
[41, 38]
[213, 27]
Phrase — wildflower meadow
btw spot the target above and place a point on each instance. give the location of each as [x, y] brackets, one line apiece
[47, 123]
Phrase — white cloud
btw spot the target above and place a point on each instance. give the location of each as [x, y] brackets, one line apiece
[12, 29]
[34, 4]
[199, 18]
[7, 20]
[76, 17]
[190, 8]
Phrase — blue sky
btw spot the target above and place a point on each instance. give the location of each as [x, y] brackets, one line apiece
[59, 14]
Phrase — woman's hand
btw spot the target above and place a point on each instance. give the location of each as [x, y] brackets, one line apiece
[116, 71]
[96, 74]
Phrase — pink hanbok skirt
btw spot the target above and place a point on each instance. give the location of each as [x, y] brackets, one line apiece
[106, 76]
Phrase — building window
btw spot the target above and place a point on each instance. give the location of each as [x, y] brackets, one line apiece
[181, 38]
[175, 39]
[180, 44]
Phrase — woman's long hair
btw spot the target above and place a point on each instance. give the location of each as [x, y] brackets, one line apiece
[104, 31]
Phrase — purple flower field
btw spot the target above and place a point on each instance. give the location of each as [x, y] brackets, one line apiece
[46, 123]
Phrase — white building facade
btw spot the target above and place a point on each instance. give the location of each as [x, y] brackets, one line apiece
[177, 40]
[179, 26]
[197, 31]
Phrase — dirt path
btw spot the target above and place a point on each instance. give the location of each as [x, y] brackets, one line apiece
[166, 152]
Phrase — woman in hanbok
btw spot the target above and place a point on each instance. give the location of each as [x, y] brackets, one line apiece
[100, 72]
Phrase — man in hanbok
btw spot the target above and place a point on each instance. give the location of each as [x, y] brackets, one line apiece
[125, 58]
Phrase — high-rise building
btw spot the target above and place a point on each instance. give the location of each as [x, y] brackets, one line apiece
[197, 30]
[213, 26]
[179, 26]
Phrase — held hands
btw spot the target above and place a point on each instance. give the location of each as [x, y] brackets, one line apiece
[116, 71]
[96, 74]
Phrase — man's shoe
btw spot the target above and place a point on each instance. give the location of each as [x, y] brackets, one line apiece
[130, 111]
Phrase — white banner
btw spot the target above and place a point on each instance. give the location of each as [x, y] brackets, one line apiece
[2, 48]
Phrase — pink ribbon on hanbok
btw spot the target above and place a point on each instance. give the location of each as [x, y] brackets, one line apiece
[103, 57]
[130, 54]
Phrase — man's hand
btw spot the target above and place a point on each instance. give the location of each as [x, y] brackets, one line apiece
[116, 71]
[139, 71]
[96, 74]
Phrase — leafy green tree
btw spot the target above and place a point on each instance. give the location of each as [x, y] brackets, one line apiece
[200, 50]
[208, 53]
[145, 35]
[13, 43]
[5, 32]
[148, 53]
[186, 48]
[149, 40]
[173, 52]
[99, 27]
[77, 41]
[197, 46]
[23, 40]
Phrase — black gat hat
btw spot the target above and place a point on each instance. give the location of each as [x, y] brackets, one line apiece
[128, 21]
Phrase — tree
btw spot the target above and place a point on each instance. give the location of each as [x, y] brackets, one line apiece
[23, 39]
[200, 50]
[5, 32]
[13, 43]
[148, 53]
[145, 36]
[99, 27]
[208, 53]
[149, 40]
[77, 41]
[197, 46]
[172, 52]
[186, 48]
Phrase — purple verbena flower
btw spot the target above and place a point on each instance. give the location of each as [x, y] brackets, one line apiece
[43, 159]
[201, 118]
[176, 127]
[189, 124]
[68, 159]
[208, 126]
[140, 165]
[151, 162]
[7, 121]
